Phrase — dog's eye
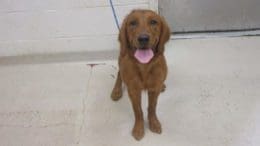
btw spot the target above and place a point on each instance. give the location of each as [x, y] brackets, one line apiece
[133, 23]
[153, 22]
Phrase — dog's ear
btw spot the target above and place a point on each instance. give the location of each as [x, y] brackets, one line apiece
[164, 36]
[123, 39]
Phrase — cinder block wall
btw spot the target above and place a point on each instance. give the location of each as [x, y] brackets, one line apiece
[54, 26]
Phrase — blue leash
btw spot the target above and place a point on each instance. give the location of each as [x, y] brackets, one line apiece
[114, 14]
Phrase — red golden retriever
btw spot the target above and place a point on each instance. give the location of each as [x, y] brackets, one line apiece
[142, 65]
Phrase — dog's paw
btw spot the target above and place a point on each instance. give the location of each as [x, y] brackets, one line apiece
[138, 131]
[155, 126]
[116, 94]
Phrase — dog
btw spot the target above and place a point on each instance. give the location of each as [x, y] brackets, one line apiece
[142, 65]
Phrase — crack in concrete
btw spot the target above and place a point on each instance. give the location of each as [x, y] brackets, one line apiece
[83, 111]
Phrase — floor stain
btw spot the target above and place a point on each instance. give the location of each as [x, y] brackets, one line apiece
[113, 76]
[95, 64]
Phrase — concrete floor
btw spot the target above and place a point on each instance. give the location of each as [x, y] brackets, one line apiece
[212, 99]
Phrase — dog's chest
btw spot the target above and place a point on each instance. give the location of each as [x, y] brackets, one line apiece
[152, 74]
[143, 73]
[146, 73]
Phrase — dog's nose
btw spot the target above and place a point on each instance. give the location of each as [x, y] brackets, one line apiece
[143, 39]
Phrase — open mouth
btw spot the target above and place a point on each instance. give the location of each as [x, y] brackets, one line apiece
[144, 55]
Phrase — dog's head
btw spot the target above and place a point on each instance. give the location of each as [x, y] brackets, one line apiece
[143, 35]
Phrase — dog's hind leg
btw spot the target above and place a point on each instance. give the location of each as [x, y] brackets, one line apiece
[117, 90]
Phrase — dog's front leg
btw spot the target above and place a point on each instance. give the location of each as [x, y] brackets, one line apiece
[154, 123]
[135, 97]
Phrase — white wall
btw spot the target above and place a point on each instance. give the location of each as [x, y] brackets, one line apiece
[50, 26]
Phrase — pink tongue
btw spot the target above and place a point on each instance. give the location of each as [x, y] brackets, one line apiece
[144, 55]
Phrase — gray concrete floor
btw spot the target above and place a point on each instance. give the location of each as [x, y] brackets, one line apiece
[212, 99]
